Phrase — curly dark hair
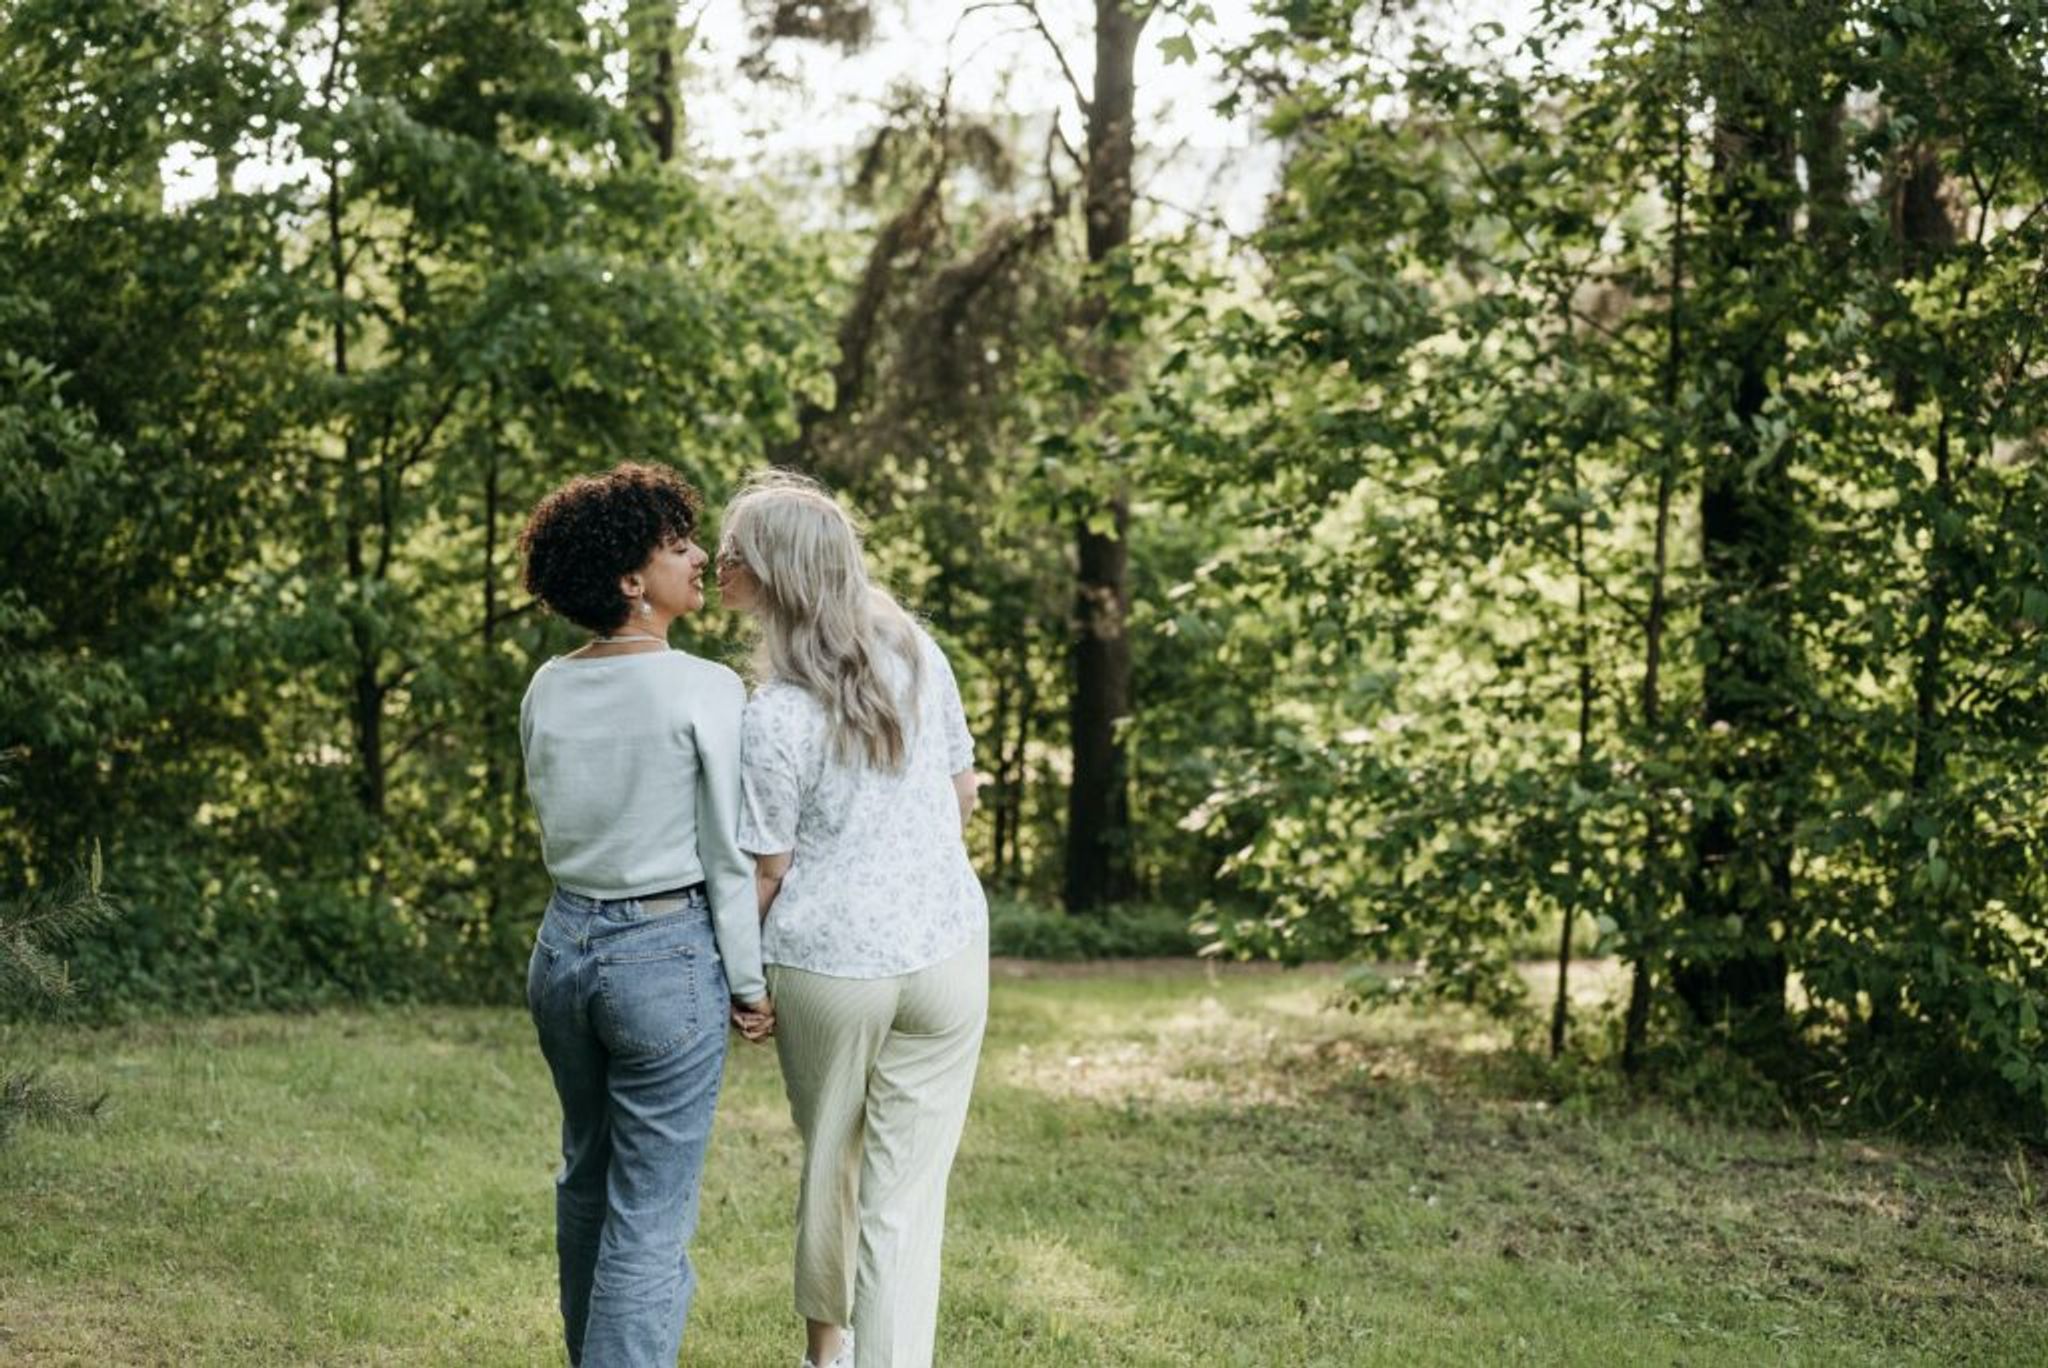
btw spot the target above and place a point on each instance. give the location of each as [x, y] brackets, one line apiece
[585, 535]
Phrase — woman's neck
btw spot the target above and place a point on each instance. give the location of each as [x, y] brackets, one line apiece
[635, 636]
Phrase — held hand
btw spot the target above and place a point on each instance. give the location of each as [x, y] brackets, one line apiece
[755, 1020]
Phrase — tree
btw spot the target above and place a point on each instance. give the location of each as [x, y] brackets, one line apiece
[1099, 866]
[1750, 533]
[945, 293]
[271, 635]
[1624, 472]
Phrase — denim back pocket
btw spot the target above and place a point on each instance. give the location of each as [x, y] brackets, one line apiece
[648, 996]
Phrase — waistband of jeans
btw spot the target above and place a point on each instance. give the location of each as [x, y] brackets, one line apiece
[666, 901]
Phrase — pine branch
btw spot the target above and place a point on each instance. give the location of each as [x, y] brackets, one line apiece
[34, 928]
[28, 1096]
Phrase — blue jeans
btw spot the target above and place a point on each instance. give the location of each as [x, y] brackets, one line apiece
[631, 1008]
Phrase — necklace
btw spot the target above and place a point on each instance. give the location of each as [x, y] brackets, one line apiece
[629, 636]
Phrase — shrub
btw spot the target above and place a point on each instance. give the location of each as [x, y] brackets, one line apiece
[1027, 930]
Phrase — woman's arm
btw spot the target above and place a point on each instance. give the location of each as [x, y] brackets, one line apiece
[768, 874]
[771, 795]
[727, 870]
[959, 741]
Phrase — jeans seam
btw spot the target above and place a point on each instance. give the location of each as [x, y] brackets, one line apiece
[650, 957]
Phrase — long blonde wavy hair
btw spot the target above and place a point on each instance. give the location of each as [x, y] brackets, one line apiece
[825, 626]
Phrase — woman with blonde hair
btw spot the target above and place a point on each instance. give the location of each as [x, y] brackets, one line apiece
[856, 779]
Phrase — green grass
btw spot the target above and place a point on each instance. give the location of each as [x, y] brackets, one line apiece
[1164, 1165]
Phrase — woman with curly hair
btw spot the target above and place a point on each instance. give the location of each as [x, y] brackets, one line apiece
[858, 777]
[651, 937]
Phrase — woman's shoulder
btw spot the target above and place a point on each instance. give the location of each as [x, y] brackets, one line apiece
[545, 683]
[782, 719]
[779, 697]
[928, 645]
[921, 632]
[695, 683]
[704, 669]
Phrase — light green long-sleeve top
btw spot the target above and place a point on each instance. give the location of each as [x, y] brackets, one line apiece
[633, 766]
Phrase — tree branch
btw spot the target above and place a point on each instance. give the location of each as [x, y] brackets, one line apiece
[418, 450]
[1030, 7]
[415, 741]
[508, 615]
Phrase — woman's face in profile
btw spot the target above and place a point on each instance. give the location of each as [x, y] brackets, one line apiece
[674, 577]
[737, 588]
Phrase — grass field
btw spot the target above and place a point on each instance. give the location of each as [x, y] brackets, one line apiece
[1166, 1166]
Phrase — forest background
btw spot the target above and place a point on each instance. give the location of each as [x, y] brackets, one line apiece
[1600, 499]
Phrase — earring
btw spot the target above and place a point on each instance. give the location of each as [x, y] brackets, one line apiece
[646, 608]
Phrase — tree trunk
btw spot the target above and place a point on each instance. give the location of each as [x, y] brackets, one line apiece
[1098, 801]
[1925, 231]
[366, 710]
[1016, 763]
[651, 61]
[496, 725]
[1636, 1021]
[1560, 1012]
[1740, 879]
[998, 794]
[1929, 673]
[366, 702]
[1822, 148]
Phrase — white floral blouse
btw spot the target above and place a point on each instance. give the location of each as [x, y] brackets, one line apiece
[879, 883]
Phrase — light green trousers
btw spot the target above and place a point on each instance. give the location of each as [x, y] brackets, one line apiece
[878, 1073]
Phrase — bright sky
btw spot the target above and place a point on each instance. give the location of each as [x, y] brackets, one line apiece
[999, 60]
[1192, 160]
[1190, 156]
[812, 123]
